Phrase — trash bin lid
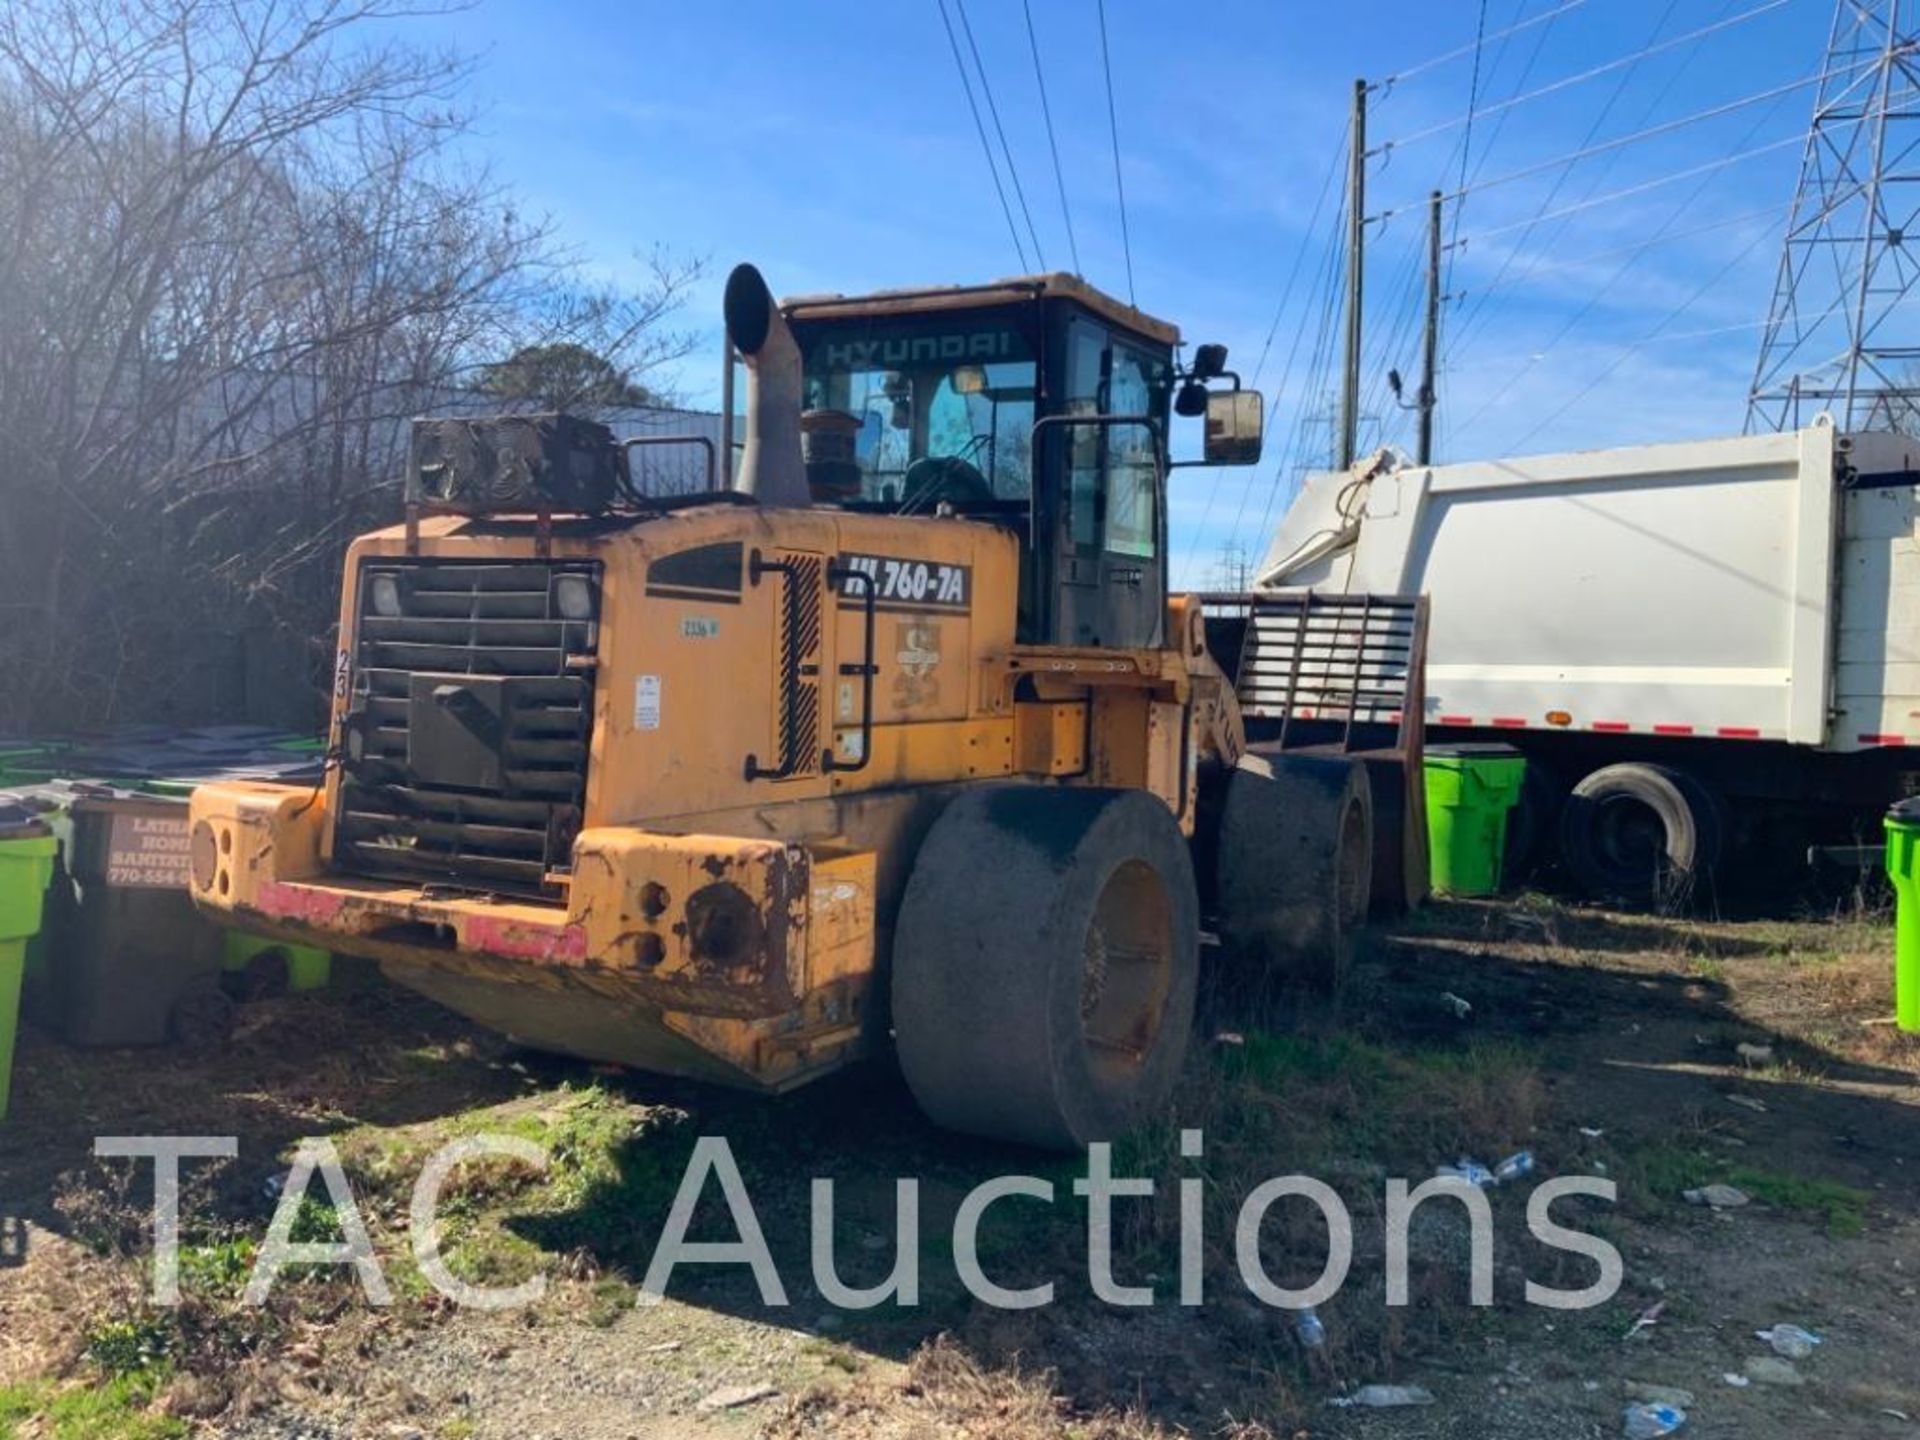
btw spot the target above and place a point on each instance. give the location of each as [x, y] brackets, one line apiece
[1905, 812]
[17, 822]
[1473, 750]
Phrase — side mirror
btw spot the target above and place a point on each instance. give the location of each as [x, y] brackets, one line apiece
[1235, 419]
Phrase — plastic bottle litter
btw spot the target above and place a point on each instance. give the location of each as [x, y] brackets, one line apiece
[1789, 1341]
[1650, 1422]
[1513, 1167]
[1309, 1329]
[1716, 1197]
[1384, 1397]
[1483, 1177]
[1471, 1171]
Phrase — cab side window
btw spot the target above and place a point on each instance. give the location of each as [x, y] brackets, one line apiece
[1086, 373]
[1132, 525]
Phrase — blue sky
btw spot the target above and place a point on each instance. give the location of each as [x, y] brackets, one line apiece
[831, 144]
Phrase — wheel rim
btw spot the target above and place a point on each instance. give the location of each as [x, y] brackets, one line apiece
[1630, 840]
[1128, 973]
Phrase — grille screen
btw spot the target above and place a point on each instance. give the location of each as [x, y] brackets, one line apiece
[472, 707]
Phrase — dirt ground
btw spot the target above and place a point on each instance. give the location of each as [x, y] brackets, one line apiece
[1607, 1045]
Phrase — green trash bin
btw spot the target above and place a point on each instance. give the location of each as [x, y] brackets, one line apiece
[308, 967]
[27, 849]
[1903, 859]
[1470, 789]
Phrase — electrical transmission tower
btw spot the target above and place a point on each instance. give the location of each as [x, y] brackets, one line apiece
[1852, 257]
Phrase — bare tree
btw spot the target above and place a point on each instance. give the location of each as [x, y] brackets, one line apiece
[235, 254]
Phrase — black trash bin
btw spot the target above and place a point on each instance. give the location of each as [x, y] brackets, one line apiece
[129, 960]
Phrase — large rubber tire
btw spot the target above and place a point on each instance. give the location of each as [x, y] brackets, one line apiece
[1645, 836]
[1294, 866]
[1045, 964]
[1530, 824]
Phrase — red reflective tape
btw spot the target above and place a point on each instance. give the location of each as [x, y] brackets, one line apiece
[1612, 727]
[1673, 729]
[1393, 717]
[1738, 732]
[1456, 719]
[1883, 739]
[518, 940]
[1509, 722]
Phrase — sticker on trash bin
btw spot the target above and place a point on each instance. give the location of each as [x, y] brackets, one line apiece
[149, 852]
[646, 703]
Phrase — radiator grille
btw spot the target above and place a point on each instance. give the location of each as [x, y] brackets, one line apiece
[800, 644]
[523, 636]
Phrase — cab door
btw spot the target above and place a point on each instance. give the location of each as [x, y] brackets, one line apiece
[1108, 522]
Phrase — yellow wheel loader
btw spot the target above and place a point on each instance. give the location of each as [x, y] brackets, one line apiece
[897, 739]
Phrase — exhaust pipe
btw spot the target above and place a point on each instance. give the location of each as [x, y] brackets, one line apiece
[771, 468]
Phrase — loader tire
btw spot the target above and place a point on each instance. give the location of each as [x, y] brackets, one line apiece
[1045, 964]
[1645, 836]
[1294, 866]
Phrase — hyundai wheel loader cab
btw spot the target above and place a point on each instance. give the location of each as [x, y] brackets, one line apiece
[1037, 405]
[896, 736]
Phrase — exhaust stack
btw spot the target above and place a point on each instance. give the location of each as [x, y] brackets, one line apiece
[771, 469]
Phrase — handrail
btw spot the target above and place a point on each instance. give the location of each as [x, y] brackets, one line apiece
[866, 670]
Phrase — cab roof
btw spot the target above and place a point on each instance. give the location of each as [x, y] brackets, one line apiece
[921, 300]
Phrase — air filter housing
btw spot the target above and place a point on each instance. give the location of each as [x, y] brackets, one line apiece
[503, 463]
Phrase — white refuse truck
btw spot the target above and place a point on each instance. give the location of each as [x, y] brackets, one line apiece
[1707, 651]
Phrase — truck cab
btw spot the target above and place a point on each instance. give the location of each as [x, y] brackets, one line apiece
[1039, 404]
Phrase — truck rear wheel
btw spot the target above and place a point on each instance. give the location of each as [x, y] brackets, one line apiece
[1641, 835]
[1294, 865]
[1045, 964]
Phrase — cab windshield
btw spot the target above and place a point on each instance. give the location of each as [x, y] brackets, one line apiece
[943, 405]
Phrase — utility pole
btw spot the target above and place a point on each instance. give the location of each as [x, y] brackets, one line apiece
[1429, 376]
[1356, 289]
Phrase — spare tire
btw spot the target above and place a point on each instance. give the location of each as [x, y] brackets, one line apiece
[1293, 865]
[1646, 836]
[1045, 963]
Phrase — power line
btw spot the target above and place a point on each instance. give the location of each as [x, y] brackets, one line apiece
[1711, 165]
[1623, 62]
[1113, 128]
[1619, 141]
[1638, 247]
[1279, 313]
[1299, 254]
[1528, 23]
[1633, 254]
[986, 89]
[1560, 182]
[1647, 339]
[980, 129]
[1046, 112]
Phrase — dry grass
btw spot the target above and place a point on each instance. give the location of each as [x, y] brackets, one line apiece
[945, 1394]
